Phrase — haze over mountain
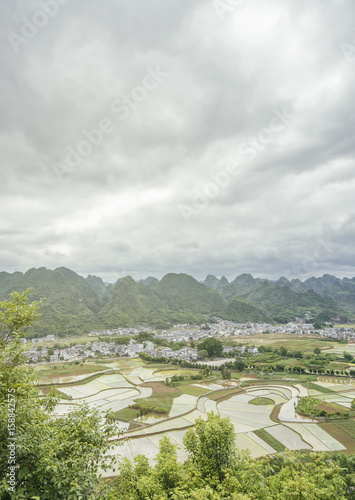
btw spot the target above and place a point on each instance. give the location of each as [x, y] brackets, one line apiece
[76, 305]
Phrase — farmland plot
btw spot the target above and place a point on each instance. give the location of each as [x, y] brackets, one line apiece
[288, 437]
[183, 404]
[246, 442]
[326, 438]
[309, 437]
[240, 412]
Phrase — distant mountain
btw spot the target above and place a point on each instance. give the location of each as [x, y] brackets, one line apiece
[241, 284]
[328, 298]
[182, 293]
[70, 305]
[130, 304]
[212, 281]
[284, 304]
[102, 292]
[341, 290]
[241, 311]
[149, 280]
[76, 305]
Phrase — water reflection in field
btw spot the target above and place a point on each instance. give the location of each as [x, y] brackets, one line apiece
[150, 418]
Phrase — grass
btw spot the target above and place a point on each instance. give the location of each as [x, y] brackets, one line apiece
[70, 369]
[127, 414]
[314, 407]
[155, 404]
[62, 395]
[316, 387]
[290, 342]
[159, 388]
[270, 440]
[261, 401]
[331, 408]
[224, 394]
[347, 426]
[193, 391]
[170, 373]
[162, 367]
[343, 431]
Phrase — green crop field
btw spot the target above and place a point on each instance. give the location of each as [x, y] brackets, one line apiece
[261, 401]
[303, 343]
[270, 440]
[70, 369]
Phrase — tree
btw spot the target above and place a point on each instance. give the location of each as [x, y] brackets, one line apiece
[317, 351]
[56, 457]
[239, 365]
[305, 477]
[283, 351]
[214, 347]
[211, 445]
[216, 470]
[347, 356]
[203, 354]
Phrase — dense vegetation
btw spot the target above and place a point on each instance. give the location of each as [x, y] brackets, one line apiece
[48, 457]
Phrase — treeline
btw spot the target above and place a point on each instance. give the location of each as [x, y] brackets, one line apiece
[215, 470]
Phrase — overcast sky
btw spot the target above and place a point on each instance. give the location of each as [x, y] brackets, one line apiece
[150, 136]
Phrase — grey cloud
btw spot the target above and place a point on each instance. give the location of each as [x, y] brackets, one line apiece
[117, 212]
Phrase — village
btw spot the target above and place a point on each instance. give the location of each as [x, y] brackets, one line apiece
[186, 334]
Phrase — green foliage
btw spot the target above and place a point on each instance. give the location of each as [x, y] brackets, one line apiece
[294, 475]
[213, 347]
[261, 401]
[76, 305]
[325, 297]
[144, 337]
[242, 311]
[307, 406]
[239, 365]
[203, 354]
[55, 457]
[211, 445]
[347, 357]
[315, 408]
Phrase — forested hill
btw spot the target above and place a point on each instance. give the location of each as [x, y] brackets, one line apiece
[76, 305]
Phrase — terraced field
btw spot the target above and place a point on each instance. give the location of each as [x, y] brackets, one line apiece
[259, 428]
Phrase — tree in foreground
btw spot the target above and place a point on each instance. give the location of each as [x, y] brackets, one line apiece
[42, 455]
[217, 470]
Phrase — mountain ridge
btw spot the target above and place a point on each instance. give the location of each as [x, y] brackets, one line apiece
[75, 305]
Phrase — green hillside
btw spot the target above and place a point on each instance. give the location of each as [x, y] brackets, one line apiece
[70, 304]
[182, 293]
[131, 303]
[75, 305]
[284, 304]
[241, 311]
[102, 292]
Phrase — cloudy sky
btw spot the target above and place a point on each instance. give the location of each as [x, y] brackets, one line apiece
[150, 136]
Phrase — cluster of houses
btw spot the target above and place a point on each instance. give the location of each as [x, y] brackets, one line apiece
[227, 328]
[180, 333]
[121, 331]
